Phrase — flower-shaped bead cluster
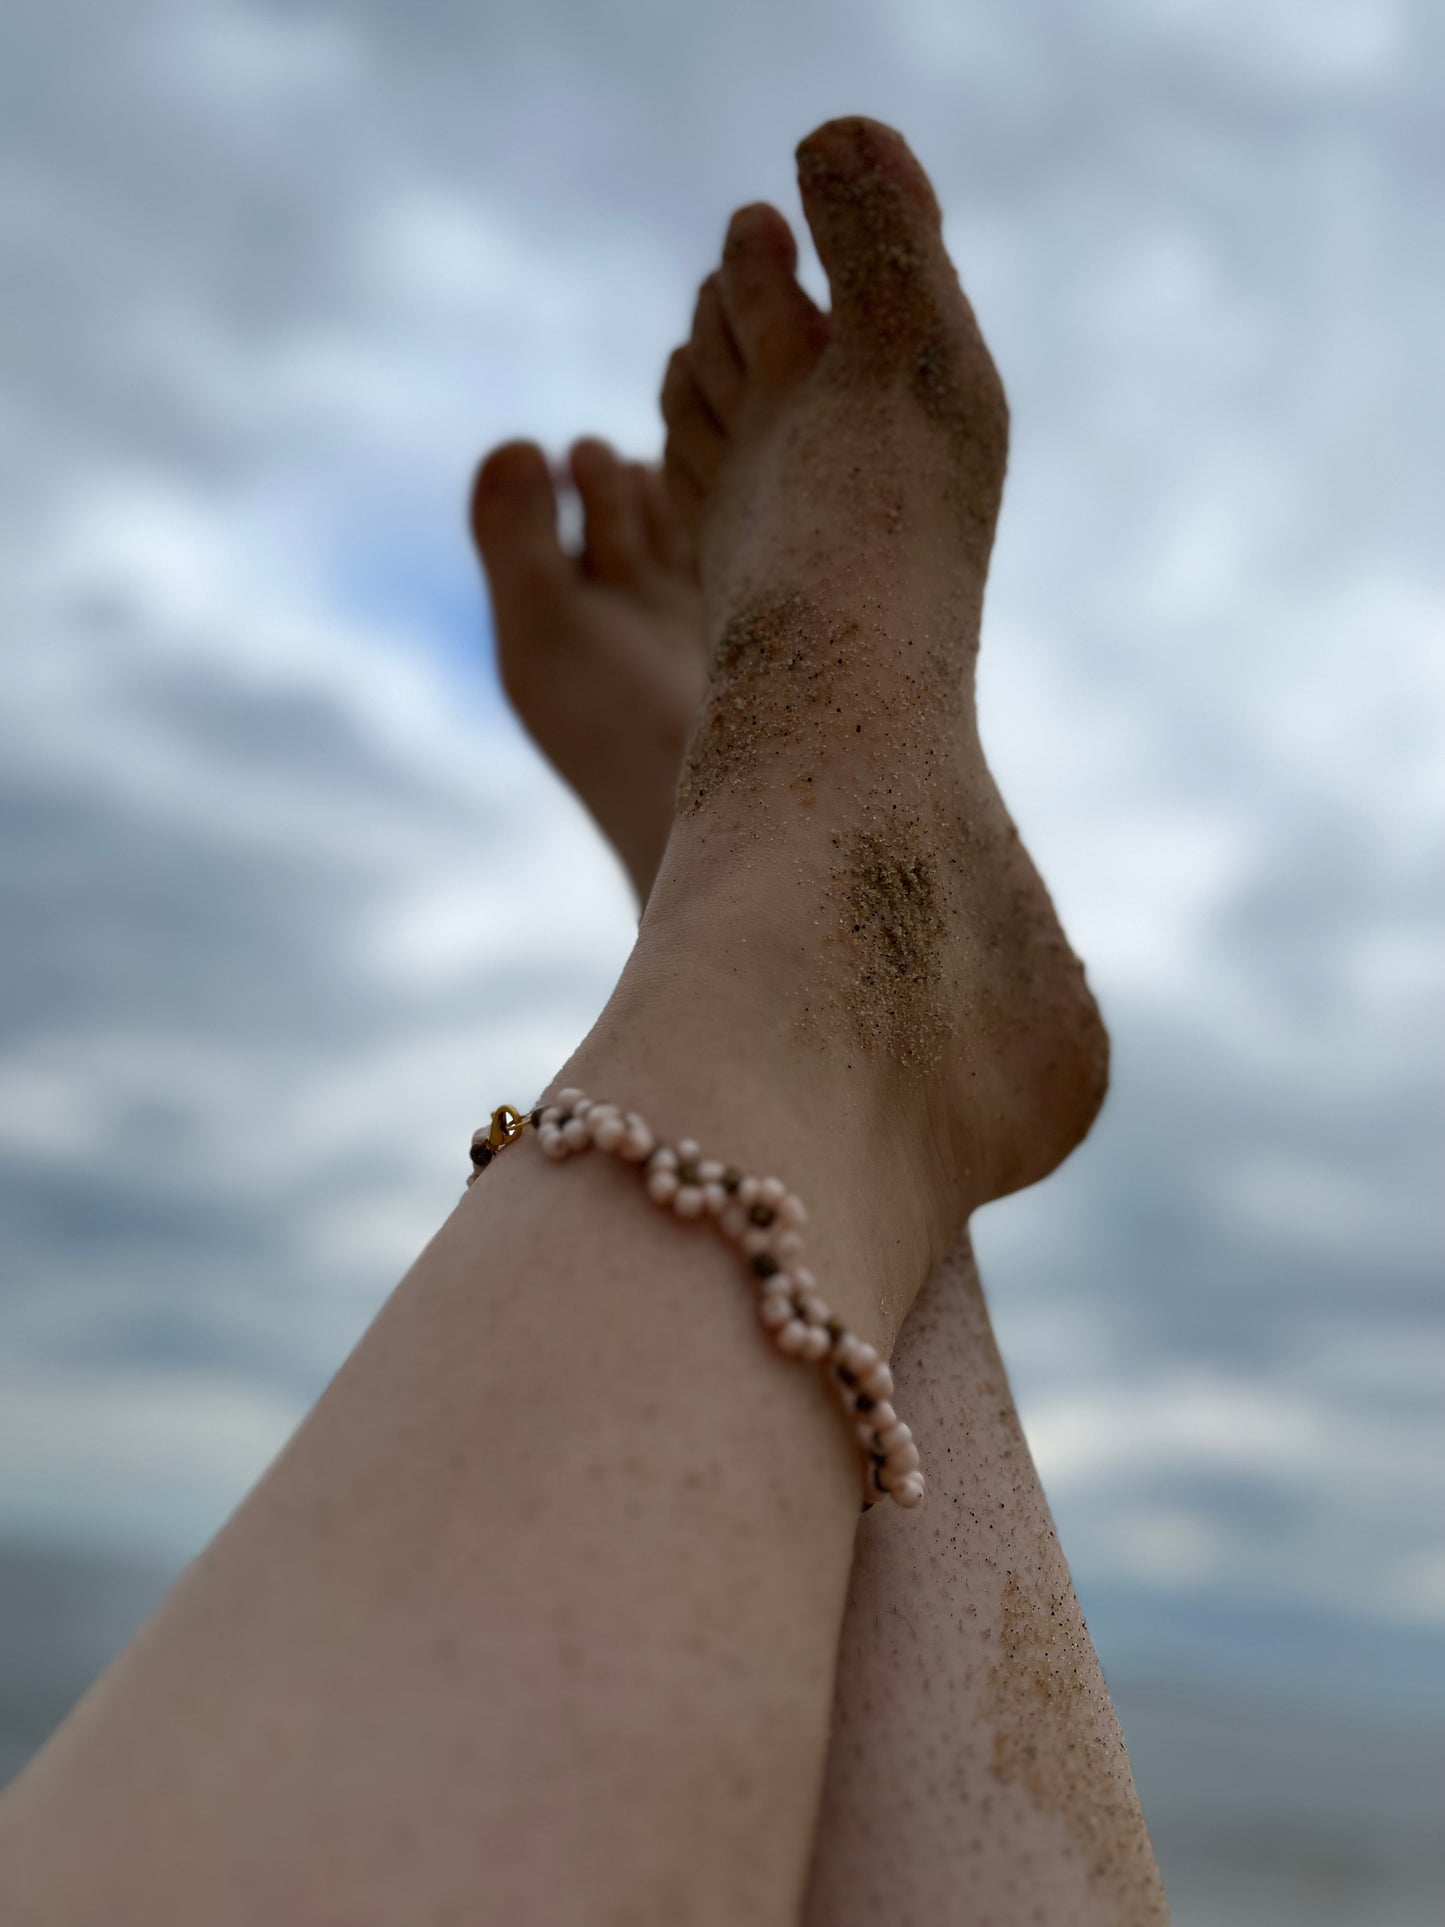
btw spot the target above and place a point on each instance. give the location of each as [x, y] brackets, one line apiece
[765, 1221]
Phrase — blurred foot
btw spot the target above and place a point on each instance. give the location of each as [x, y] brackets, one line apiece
[600, 653]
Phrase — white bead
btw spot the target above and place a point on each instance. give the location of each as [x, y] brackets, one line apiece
[774, 1310]
[690, 1149]
[903, 1458]
[664, 1158]
[889, 1436]
[575, 1134]
[793, 1210]
[788, 1244]
[636, 1143]
[883, 1417]
[551, 1114]
[772, 1191]
[715, 1200]
[548, 1135]
[747, 1192]
[710, 1170]
[661, 1186]
[802, 1278]
[554, 1148]
[908, 1491]
[877, 1382]
[566, 1099]
[756, 1240]
[863, 1358]
[792, 1337]
[845, 1351]
[814, 1309]
[688, 1202]
[865, 1435]
[607, 1129]
[815, 1344]
[583, 1107]
[734, 1221]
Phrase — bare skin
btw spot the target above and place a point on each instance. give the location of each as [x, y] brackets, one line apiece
[975, 1770]
[537, 1617]
[601, 654]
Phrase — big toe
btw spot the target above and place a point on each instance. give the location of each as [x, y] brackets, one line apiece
[514, 521]
[898, 310]
[878, 231]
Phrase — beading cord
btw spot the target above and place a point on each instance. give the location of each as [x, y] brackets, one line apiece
[765, 1220]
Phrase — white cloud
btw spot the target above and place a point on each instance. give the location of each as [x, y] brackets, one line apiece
[1166, 1546]
[153, 1455]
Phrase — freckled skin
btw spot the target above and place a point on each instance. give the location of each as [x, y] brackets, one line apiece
[976, 1773]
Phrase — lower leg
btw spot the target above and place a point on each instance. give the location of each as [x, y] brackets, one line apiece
[974, 1749]
[536, 1618]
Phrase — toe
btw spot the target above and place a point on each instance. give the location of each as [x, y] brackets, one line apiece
[898, 310]
[514, 522]
[615, 532]
[667, 534]
[695, 440]
[717, 362]
[685, 496]
[876, 224]
[778, 330]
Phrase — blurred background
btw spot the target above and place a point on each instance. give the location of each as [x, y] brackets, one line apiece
[287, 904]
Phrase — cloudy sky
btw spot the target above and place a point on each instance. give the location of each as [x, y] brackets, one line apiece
[274, 858]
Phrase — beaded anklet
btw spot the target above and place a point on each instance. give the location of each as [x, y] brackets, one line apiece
[763, 1218]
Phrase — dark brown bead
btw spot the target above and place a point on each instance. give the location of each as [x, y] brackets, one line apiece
[766, 1265]
[731, 1179]
[863, 1403]
[687, 1173]
[536, 1118]
[845, 1377]
[481, 1154]
[762, 1214]
[836, 1329]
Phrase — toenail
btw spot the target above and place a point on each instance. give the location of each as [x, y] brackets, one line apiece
[515, 466]
[756, 224]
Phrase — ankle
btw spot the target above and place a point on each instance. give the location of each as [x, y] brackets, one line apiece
[719, 986]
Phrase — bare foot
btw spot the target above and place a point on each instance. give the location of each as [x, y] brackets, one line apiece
[601, 653]
[842, 476]
[857, 460]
